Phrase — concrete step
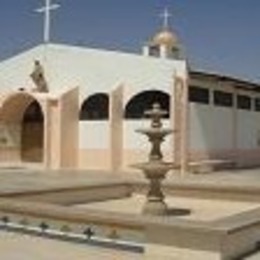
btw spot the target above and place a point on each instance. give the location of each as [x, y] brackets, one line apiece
[253, 256]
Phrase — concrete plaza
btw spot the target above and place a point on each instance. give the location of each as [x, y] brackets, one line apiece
[14, 246]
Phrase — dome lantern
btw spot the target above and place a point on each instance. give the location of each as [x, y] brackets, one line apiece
[165, 43]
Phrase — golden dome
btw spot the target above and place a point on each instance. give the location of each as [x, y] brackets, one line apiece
[165, 37]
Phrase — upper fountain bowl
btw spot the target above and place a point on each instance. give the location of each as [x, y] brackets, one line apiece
[155, 132]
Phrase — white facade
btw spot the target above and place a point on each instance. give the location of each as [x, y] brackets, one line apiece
[212, 131]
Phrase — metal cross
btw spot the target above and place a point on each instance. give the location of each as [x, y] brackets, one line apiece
[165, 15]
[89, 233]
[47, 18]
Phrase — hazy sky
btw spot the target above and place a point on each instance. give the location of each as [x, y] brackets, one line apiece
[218, 35]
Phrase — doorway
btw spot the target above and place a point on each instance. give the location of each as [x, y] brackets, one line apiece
[32, 133]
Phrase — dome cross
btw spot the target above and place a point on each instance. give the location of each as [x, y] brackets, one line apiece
[165, 15]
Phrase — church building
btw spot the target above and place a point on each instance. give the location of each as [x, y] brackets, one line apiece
[66, 106]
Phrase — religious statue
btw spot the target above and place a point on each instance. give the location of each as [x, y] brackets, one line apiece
[38, 77]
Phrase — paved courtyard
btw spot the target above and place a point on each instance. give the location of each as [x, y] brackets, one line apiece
[14, 246]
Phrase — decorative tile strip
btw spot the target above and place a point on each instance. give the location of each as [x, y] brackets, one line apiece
[65, 233]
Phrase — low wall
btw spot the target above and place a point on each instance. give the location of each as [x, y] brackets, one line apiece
[77, 195]
[96, 159]
[227, 239]
[206, 191]
[242, 158]
[112, 190]
[9, 155]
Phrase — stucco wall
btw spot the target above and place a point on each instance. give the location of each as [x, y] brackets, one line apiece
[95, 159]
[248, 129]
[94, 134]
[94, 142]
[210, 127]
[221, 132]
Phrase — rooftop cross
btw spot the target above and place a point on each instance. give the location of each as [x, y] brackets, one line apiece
[47, 17]
[165, 15]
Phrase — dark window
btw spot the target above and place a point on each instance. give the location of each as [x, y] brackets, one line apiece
[33, 113]
[243, 102]
[257, 104]
[198, 95]
[141, 102]
[175, 52]
[154, 51]
[95, 107]
[223, 99]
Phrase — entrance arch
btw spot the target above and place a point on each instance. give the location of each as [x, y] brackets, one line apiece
[22, 116]
[32, 133]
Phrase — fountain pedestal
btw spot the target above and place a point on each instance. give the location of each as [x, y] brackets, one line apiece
[155, 169]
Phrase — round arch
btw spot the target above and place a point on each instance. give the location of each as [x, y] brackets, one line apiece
[14, 106]
[95, 107]
[142, 101]
[23, 117]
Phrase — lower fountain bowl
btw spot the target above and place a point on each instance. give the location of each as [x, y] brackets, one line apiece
[155, 165]
[155, 168]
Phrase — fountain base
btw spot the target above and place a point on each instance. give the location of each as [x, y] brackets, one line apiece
[155, 208]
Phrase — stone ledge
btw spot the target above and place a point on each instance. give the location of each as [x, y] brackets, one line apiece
[207, 166]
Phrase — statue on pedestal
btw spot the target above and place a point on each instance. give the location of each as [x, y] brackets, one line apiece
[38, 77]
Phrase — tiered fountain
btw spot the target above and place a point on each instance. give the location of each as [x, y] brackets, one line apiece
[155, 169]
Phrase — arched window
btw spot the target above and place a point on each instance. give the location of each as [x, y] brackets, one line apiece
[95, 107]
[139, 103]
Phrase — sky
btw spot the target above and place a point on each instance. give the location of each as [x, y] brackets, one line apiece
[221, 36]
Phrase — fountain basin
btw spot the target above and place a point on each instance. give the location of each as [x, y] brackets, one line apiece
[155, 171]
[155, 132]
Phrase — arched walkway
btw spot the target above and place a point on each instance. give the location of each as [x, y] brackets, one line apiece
[22, 117]
[142, 101]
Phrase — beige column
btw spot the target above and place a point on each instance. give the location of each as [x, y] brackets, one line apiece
[184, 126]
[234, 124]
[55, 137]
[69, 129]
[63, 128]
[116, 115]
[46, 134]
[175, 108]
